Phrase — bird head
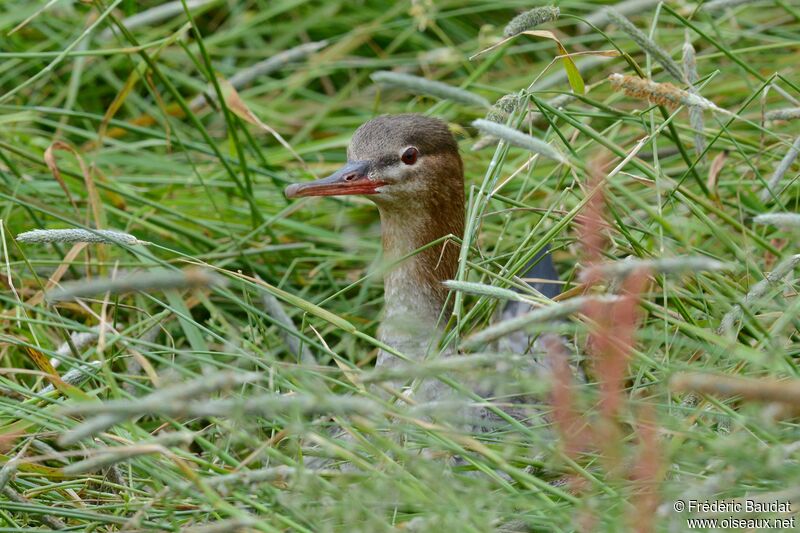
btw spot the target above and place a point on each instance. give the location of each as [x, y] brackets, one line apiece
[397, 161]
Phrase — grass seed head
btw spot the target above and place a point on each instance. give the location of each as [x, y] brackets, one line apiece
[531, 19]
[789, 113]
[664, 94]
[519, 139]
[647, 44]
[503, 107]
[719, 5]
[782, 220]
[155, 280]
[101, 236]
[425, 86]
[772, 188]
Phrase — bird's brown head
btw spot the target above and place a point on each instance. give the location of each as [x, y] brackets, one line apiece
[409, 166]
[400, 162]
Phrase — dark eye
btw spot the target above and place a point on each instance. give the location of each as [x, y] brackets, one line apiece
[409, 157]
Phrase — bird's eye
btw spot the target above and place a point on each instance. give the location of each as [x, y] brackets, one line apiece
[409, 157]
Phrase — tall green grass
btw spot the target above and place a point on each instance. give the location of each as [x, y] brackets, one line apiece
[193, 405]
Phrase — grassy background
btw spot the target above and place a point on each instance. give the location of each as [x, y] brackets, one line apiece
[205, 188]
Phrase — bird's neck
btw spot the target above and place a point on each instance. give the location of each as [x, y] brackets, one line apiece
[413, 282]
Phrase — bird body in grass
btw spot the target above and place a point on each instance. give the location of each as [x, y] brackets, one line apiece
[409, 166]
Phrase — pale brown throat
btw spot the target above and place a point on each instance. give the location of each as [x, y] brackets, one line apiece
[417, 280]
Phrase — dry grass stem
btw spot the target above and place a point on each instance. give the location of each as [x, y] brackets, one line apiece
[760, 390]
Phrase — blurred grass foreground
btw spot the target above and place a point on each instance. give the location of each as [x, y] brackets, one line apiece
[184, 349]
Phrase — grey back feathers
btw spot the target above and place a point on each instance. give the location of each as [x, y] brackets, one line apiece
[539, 271]
[541, 267]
